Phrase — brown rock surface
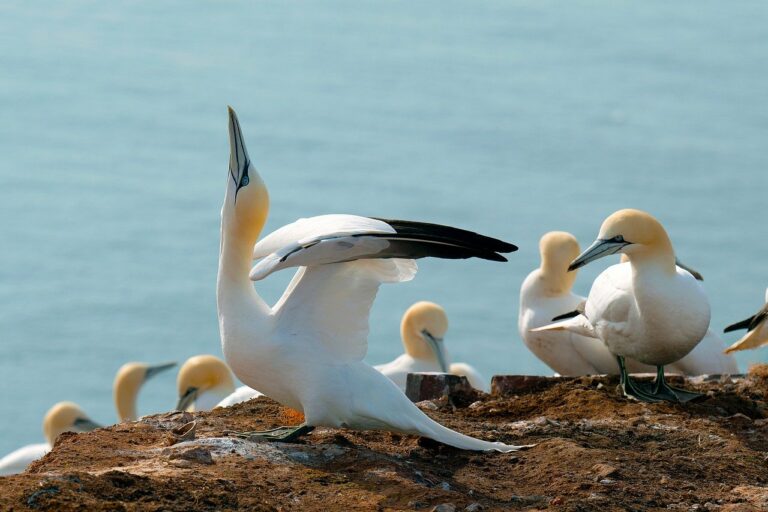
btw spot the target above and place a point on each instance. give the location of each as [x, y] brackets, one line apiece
[595, 451]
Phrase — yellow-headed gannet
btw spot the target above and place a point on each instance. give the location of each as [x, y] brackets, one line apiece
[648, 309]
[307, 351]
[128, 381]
[422, 331]
[545, 294]
[62, 417]
[757, 330]
[203, 382]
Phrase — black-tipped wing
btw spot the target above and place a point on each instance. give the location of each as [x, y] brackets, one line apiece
[338, 239]
[750, 323]
[448, 233]
[744, 324]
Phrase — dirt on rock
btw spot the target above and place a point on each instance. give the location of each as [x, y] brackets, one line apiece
[594, 451]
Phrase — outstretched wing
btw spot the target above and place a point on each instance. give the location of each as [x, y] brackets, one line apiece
[340, 238]
[343, 260]
[329, 305]
[307, 229]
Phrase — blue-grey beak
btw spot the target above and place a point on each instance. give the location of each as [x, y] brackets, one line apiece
[436, 344]
[187, 399]
[159, 368]
[239, 162]
[599, 249]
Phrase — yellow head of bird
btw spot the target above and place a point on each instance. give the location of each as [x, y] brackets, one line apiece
[65, 417]
[632, 232]
[200, 374]
[246, 203]
[422, 329]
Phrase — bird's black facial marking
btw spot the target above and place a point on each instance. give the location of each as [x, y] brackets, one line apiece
[244, 178]
[427, 334]
[618, 239]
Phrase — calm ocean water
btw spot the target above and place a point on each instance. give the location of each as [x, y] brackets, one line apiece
[510, 118]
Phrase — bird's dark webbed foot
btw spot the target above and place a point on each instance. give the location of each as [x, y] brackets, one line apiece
[632, 389]
[664, 391]
[276, 435]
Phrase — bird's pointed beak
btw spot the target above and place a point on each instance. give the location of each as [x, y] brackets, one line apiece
[597, 250]
[691, 271]
[159, 368]
[187, 399]
[436, 344]
[85, 425]
[239, 162]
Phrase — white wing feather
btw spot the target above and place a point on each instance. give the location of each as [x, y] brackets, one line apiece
[304, 230]
[330, 304]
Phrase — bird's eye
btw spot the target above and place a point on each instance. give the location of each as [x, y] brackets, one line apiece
[245, 181]
[618, 238]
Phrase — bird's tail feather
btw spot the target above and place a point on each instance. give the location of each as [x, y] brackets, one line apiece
[577, 324]
[438, 432]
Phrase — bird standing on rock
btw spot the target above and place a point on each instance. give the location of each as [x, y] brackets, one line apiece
[648, 309]
[307, 351]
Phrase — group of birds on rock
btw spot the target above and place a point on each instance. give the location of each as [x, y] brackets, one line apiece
[645, 313]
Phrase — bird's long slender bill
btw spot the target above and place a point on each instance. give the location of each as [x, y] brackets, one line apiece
[688, 269]
[187, 399]
[238, 154]
[436, 344]
[158, 368]
[599, 249]
[85, 425]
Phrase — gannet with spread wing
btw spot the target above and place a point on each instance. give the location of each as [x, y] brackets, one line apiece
[307, 351]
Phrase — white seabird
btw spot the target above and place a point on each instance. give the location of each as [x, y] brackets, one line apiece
[647, 309]
[62, 417]
[422, 331]
[757, 330]
[307, 351]
[546, 294]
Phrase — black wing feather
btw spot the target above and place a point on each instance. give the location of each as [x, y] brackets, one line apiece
[456, 236]
[750, 323]
[567, 315]
[744, 324]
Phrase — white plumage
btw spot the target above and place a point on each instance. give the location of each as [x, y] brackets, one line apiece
[18, 460]
[648, 309]
[547, 293]
[306, 352]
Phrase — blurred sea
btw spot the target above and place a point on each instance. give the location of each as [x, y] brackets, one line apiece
[511, 118]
